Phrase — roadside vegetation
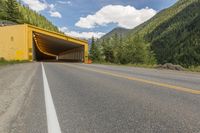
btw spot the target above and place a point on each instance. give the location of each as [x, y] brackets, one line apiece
[127, 65]
[170, 37]
[5, 62]
[194, 68]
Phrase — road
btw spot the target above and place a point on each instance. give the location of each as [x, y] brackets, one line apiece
[80, 98]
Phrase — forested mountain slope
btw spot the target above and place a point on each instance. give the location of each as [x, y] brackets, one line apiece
[171, 36]
[162, 16]
[11, 10]
[177, 40]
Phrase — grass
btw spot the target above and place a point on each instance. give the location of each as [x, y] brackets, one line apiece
[190, 69]
[194, 68]
[4, 62]
[129, 65]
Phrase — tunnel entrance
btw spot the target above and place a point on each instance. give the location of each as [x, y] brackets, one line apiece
[49, 48]
[39, 56]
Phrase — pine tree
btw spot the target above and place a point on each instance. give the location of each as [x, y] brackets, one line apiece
[108, 49]
[12, 11]
[2, 10]
[94, 51]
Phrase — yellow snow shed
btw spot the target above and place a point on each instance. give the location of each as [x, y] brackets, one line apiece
[27, 42]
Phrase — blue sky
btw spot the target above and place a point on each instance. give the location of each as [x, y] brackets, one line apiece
[86, 18]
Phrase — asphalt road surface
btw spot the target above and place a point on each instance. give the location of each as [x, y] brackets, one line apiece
[80, 98]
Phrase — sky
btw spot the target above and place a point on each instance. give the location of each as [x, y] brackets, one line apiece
[87, 18]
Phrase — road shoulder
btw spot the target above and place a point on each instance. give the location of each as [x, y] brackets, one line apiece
[15, 84]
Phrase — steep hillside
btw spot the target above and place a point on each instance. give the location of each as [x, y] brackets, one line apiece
[161, 17]
[171, 36]
[11, 10]
[173, 33]
[33, 18]
[177, 40]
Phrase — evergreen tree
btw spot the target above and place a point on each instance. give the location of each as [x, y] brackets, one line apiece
[116, 47]
[12, 11]
[108, 49]
[2, 10]
[94, 51]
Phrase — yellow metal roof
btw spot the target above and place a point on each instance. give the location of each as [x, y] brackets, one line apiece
[58, 35]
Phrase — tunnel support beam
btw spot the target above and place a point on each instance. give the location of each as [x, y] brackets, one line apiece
[30, 44]
[86, 54]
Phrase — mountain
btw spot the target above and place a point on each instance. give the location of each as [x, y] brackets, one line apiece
[13, 11]
[162, 16]
[173, 33]
[171, 36]
[177, 40]
[119, 31]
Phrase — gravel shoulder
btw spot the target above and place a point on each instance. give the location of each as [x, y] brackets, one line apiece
[15, 83]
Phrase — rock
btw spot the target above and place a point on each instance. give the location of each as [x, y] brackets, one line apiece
[171, 66]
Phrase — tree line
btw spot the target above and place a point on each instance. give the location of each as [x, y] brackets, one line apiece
[13, 11]
[120, 50]
[158, 41]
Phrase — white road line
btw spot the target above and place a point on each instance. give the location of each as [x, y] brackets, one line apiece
[52, 120]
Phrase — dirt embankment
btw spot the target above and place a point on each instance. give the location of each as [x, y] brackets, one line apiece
[171, 67]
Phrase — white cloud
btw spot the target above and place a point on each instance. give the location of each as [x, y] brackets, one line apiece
[65, 2]
[41, 5]
[85, 35]
[52, 7]
[36, 5]
[63, 29]
[55, 14]
[69, 2]
[123, 16]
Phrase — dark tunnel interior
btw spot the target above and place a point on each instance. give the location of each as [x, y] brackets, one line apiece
[46, 48]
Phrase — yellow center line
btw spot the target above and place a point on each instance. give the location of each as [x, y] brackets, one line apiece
[120, 75]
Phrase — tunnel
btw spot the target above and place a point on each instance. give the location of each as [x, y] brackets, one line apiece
[57, 47]
[30, 43]
[51, 48]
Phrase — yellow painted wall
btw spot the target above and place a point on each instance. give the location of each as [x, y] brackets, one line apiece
[13, 42]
